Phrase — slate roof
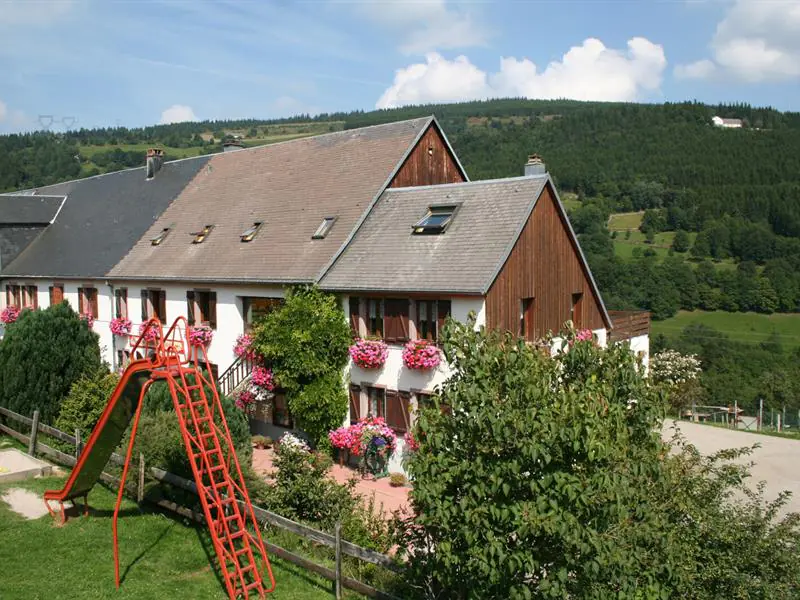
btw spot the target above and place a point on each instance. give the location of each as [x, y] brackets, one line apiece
[25, 209]
[385, 255]
[100, 220]
[290, 187]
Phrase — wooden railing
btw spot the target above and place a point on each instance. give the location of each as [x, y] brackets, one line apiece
[334, 541]
[234, 375]
[628, 324]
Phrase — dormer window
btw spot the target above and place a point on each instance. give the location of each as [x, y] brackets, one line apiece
[436, 221]
[200, 236]
[249, 233]
[156, 241]
[323, 228]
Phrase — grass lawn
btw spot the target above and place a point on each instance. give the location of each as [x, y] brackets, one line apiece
[625, 221]
[160, 556]
[741, 327]
[569, 200]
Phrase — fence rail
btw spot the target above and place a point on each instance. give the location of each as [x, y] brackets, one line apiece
[628, 324]
[266, 517]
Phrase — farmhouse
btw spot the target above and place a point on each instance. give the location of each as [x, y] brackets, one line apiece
[726, 123]
[383, 216]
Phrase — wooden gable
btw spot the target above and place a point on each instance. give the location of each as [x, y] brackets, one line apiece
[430, 162]
[544, 277]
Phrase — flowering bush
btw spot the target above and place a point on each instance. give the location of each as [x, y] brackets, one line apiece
[369, 354]
[150, 332]
[261, 377]
[88, 318]
[584, 335]
[9, 314]
[412, 445]
[245, 399]
[375, 431]
[672, 368]
[292, 442]
[421, 354]
[120, 326]
[342, 438]
[200, 335]
[244, 347]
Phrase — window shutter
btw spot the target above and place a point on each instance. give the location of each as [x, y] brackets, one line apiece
[190, 307]
[9, 296]
[212, 309]
[56, 295]
[145, 314]
[396, 411]
[443, 311]
[162, 305]
[405, 404]
[395, 320]
[355, 311]
[33, 295]
[91, 296]
[355, 403]
[81, 300]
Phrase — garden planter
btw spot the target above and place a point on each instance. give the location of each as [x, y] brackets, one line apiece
[369, 354]
[421, 355]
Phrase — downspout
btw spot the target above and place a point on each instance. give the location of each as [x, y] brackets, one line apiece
[113, 349]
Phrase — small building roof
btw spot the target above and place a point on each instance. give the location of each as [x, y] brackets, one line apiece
[385, 255]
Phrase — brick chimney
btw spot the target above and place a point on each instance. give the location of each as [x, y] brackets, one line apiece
[155, 158]
[535, 165]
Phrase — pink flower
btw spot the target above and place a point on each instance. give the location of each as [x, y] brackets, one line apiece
[244, 399]
[150, 333]
[200, 335]
[10, 314]
[421, 354]
[411, 443]
[369, 354]
[358, 436]
[120, 326]
[88, 318]
[244, 348]
[341, 438]
[262, 377]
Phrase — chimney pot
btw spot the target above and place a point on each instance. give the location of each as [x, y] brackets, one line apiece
[535, 165]
[155, 158]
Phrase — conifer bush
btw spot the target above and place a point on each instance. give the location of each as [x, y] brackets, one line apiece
[85, 402]
[42, 355]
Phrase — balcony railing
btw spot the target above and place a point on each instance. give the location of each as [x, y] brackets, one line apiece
[233, 377]
[628, 324]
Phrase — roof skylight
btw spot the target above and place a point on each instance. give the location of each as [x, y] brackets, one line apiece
[323, 228]
[249, 233]
[436, 221]
[156, 241]
[200, 236]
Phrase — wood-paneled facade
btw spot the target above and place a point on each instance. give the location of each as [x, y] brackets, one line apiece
[429, 163]
[543, 283]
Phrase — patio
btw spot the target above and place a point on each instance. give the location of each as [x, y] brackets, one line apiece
[392, 498]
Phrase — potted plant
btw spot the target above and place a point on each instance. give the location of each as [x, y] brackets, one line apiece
[374, 441]
[421, 355]
[243, 348]
[341, 439]
[149, 331]
[200, 335]
[262, 442]
[397, 479]
[120, 326]
[369, 354]
[261, 377]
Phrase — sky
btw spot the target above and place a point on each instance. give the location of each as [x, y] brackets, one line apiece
[67, 64]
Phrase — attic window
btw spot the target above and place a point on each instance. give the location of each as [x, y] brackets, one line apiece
[251, 232]
[200, 236]
[156, 241]
[323, 228]
[436, 221]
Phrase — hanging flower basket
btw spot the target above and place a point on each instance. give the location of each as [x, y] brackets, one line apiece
[88, 318]
[201, 335]
[369, 354]
[245, 399]
[244, 348]
[421, 355]
[120, 326]
[9, 314]
[261, 377]
[412, 444]
[150, 332]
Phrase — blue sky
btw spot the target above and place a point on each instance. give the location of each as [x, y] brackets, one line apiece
[92, 63]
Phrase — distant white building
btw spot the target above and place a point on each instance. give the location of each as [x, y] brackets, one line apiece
[727, 123]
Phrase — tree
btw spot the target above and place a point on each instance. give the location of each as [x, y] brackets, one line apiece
[42, 355]
[680, 242]
[86, 401]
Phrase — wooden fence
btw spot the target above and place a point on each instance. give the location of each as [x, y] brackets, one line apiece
[340, 546]
[628, 324]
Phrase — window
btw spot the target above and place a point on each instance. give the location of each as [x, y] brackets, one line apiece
[398, 410]
[56, 294]
[121, 303]
[30, 296]
[526, 322]
[14, 295]
[280, 410]
[87, 301]
[431, 315]
[201, 308]
[324, 228]
[575, 312]
[249, 233]
[256, 309]
[376, 401]
[436, 221]
[425, 400]
[395, 320]
[355, 315]
[375, 317]
[154, 304]
[156, 241]
[200, 236]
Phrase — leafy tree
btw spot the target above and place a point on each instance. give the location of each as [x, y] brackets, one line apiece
[41, 356]
[680, 243]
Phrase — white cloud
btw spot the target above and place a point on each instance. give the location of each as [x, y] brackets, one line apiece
[177, 113]
[756, 41]
[590, 71]
[427, 25]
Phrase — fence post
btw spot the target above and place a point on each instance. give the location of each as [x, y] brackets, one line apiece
[338, 581]
[78, 445]
[140, 490]
[760, 413]
[34, 433]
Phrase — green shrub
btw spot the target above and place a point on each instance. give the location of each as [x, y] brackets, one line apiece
[85, 402]
[42, 355]
[262, 442]
[319, 406]
[397, 479]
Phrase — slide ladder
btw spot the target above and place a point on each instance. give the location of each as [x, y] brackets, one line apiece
[235, 532]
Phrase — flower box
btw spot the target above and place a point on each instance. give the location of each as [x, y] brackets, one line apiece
[200, 335]
[120, 326]
[261, 377]
[421, 355]
[149, 331]
[9, 314]
[369, 354]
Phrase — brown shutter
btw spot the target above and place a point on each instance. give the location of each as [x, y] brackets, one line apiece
[397, 411]
[405, 404]
[33, 294]
[395, 320]
[145, 314]
[81, 300]
[190, 307]
[212, 310]
[355, 403]
[9, 296]
[162, 305]
[443, 311]
[355, 308]
[123, 303]
[91, 296]
[56, 295]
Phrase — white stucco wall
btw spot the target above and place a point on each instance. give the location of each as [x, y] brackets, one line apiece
[640, 345]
